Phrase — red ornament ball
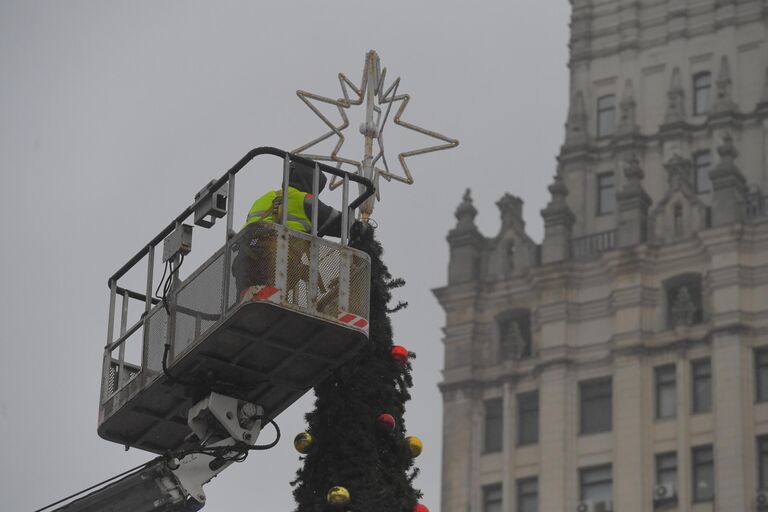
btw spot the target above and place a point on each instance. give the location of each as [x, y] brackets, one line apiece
[399, 354]
[420, 508]
[387, 421]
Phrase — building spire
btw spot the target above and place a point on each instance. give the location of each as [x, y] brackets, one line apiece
[675, 100]
[724, 101]
[576, 126]
[627, 122]
[466, 213]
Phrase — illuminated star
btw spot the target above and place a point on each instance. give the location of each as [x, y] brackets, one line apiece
[378, 101]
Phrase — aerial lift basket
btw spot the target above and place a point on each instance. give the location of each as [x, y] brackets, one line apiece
[266, 344]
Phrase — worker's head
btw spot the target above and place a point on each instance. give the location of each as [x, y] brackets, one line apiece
[301, 177]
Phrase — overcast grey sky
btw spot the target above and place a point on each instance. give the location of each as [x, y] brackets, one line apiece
[114, 114]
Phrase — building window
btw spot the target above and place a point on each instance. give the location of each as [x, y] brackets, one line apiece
[703, 472]
[494, 425]
[666, 468]
[702, 163]
[596, 483]
[606, 115]
[528, 418]
[492, 500]
[666, 391]
[515, 334]
[684, 300]
[701, 386]
[606, 193]
[702, 86]
[762, 463]
[528, 495]
[761, 374]
[596, 410]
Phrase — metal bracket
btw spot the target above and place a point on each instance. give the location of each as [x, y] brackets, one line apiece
[221, 417]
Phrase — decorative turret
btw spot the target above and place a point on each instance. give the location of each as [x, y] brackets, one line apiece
[728, 185]
[466, 244]
[576, 126]
[633, 203]
[465, 215]
[627, 122]
[724, 100]
[558, 224]
[675, 100]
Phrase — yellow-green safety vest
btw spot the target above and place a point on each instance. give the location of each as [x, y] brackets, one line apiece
[263, 209]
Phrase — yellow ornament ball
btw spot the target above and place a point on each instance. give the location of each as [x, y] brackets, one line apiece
[415, 445]
[303, 442]
[338, 496]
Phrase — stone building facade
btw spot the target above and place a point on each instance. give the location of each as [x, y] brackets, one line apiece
[622, 363]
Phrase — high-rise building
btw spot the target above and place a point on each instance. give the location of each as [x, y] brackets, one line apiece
[622, 364]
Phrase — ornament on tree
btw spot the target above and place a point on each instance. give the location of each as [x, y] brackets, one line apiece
[420, 508]
[415, 445]
[303, 442]
[338, 496]
[399, 354]
[387, 421]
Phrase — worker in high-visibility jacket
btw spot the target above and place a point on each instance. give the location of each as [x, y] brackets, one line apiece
[255, 260]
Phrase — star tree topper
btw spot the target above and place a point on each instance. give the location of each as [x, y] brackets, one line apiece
[378, 100]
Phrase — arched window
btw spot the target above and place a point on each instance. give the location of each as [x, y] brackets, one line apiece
[606, 115]
[514, 328]
[684, 300]
[702, 87]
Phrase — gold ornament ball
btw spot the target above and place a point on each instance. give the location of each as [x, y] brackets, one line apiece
[415, 445]
[338, 496]
[303, 442]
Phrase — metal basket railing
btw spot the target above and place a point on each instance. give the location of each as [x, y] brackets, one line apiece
[314, 276]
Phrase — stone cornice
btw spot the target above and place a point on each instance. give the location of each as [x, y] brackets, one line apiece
[612, 27]
[622, 345]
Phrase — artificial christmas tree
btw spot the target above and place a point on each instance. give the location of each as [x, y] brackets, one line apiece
[349, 447]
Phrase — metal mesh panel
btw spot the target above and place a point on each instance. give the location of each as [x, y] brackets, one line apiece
[252, 257]
[113, 376]
[198, 303]
[297, 272]
[329, 260]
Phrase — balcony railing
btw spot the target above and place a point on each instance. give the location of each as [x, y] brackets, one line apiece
[595, 243]
[756, 206]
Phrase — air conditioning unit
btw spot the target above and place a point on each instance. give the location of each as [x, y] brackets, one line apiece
[594, 506]
[761, 500]
[664, 492]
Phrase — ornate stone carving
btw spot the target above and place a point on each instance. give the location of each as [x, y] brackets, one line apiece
[512, 251]
[682, 310]
[680, 214]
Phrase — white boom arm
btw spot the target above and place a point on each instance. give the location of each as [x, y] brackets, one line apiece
[175, 484]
